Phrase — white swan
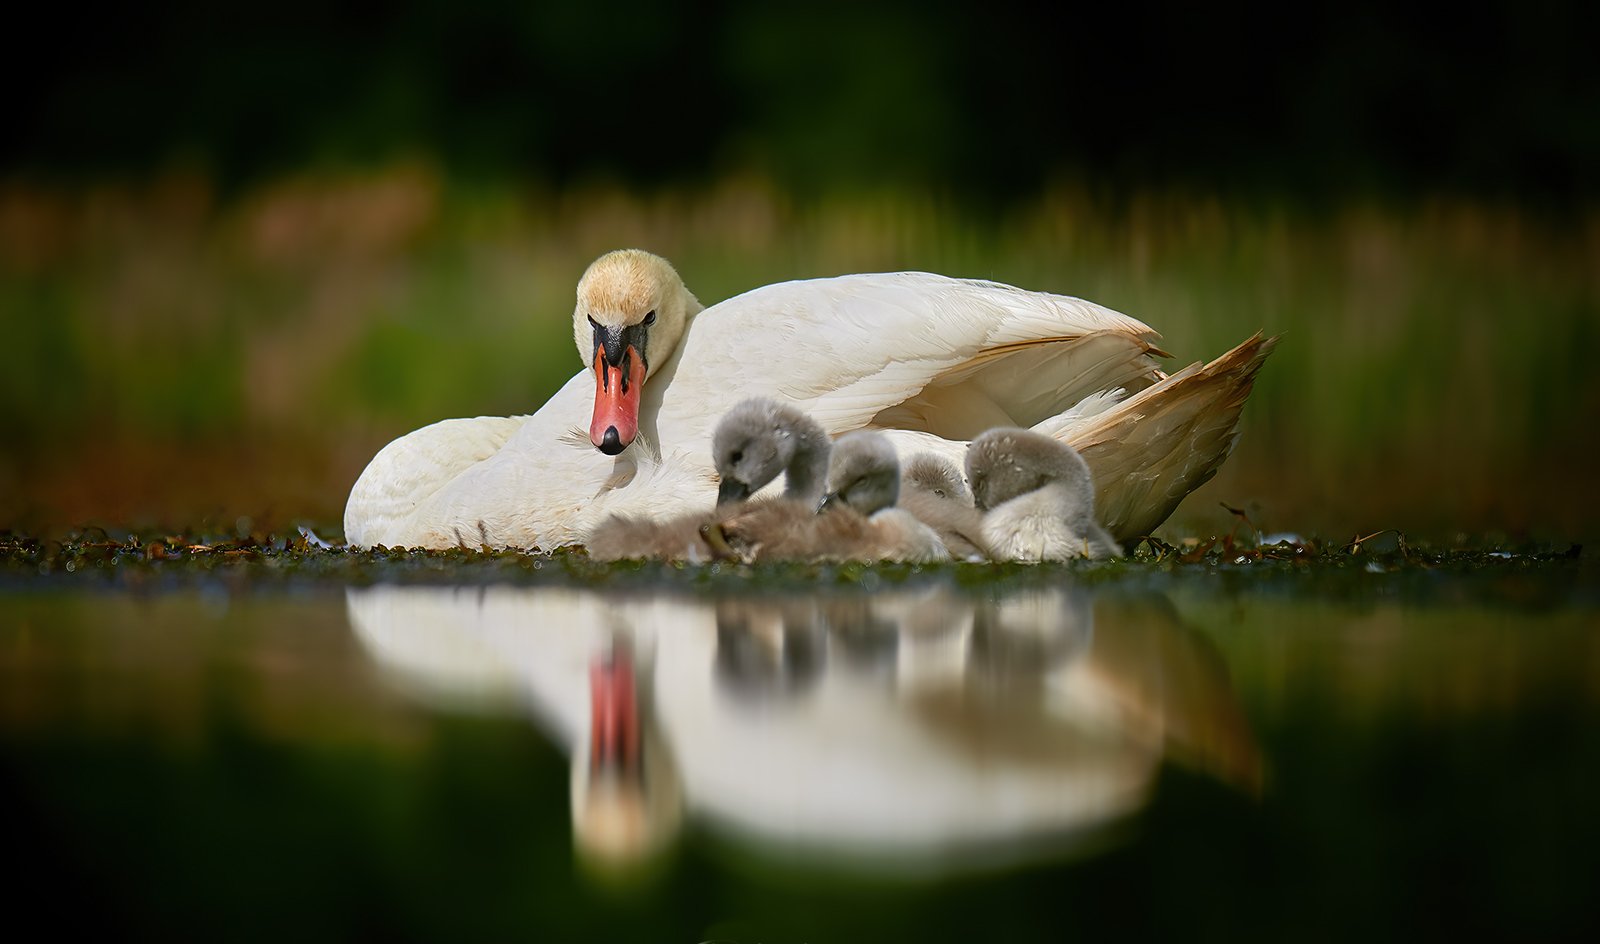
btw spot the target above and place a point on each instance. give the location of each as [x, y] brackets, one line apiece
[932, 360]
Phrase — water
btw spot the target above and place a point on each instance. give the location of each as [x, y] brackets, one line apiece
[1151, 756]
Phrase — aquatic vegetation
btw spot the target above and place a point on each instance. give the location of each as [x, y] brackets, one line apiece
[1386, 563]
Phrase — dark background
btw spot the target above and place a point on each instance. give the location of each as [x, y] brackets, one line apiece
[988, 100]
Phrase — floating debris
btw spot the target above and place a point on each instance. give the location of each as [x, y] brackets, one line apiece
[311, 538]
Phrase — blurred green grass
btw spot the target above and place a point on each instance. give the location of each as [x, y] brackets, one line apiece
[173, 354]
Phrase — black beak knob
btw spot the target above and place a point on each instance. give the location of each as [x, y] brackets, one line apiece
[611, 444]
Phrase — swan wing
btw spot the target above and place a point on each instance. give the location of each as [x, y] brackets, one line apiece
[908, 350]
[1147, 450]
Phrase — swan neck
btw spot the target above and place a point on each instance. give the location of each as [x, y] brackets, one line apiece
[806, 477]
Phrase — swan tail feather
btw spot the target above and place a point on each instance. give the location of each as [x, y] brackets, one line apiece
[1150, 450]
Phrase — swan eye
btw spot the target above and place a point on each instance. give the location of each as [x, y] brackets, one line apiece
[650, 319]
[593, 323]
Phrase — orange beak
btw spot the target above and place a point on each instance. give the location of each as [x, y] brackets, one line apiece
[616, 401]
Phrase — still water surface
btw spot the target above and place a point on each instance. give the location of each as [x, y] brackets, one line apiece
[1195, 758]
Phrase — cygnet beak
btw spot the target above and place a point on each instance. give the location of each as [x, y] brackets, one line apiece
[732, 490]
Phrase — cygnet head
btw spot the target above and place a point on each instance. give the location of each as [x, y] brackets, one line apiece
[863, 472]
[936, 476]
[1004, 463]
[632, 311]
[759, 439]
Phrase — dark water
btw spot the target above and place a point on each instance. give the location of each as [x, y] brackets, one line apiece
[1149, 758]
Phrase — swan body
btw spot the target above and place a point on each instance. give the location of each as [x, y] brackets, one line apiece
[1037, 496]
[930, 360]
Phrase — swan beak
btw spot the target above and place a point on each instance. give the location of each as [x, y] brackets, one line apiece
[616, 401]
[613, 714]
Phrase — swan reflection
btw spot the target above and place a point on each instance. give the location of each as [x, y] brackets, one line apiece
[929, 730]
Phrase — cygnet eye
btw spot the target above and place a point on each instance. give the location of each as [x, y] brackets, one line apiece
[738, 456]
[650, 319]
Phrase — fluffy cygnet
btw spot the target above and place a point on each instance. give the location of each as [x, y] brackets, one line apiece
[864, 476]
[855, 523]
[754, 443]
[622, 537]
[932, 490]
[760, 439]
[1037, 498]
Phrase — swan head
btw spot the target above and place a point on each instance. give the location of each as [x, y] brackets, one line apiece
[632, 311]
[936, 476]
[863, 473]
[1005, 463]
[758, 440]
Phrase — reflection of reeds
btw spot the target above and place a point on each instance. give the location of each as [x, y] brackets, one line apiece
[1431, 663]
[1430, 375]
